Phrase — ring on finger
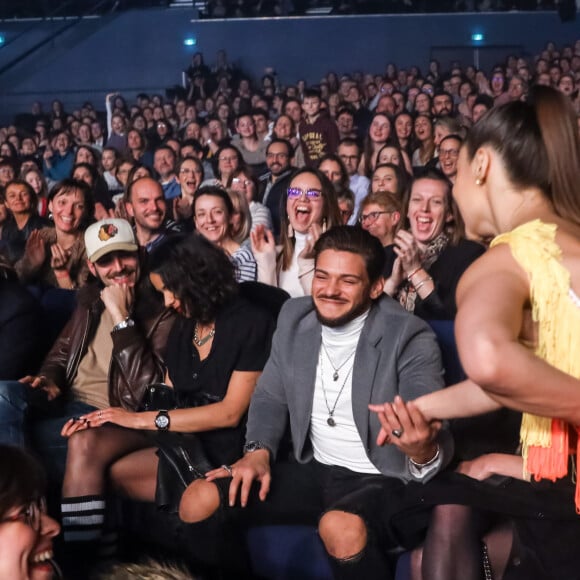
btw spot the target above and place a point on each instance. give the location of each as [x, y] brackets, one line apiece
[100, 414]
[228, 468]
[397, 433]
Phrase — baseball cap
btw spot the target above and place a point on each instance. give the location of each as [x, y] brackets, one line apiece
[109, 235]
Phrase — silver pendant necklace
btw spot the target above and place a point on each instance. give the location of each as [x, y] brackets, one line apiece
[335, 374]
[330, 420]
[201, 341]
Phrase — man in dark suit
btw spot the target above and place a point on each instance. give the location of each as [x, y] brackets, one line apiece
[335, 353]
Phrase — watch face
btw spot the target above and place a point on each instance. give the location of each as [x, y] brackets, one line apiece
[162, 421]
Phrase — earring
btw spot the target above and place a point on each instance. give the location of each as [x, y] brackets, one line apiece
[323, 225]
[479, 181]
[290, 231]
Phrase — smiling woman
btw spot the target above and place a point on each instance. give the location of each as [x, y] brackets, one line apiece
[26, 531]
[432, 254]
[56, 256]
[311, 209]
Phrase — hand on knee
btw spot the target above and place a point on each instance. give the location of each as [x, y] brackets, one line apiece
[344, 534]
[199, 501]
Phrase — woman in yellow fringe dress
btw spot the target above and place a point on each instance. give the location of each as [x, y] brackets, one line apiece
[518, 336]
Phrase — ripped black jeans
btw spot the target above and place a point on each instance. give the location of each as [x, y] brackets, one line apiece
[302, 493]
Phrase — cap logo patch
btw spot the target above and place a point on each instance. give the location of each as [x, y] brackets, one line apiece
[107, 231]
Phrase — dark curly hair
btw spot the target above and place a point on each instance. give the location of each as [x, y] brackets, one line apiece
[199, 273]
[21, 478]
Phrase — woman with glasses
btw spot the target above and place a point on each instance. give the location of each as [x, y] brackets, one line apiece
[432, 253]
[226, 160]
[311, 208]
[26, 531]
[244, 182]
[380, 215]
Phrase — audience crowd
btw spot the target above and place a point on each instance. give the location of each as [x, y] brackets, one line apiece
[178, 227]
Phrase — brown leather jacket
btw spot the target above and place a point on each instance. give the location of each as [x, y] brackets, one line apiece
[138, 351]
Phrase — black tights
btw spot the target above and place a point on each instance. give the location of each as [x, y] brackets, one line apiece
[453, 546]
[92, 452]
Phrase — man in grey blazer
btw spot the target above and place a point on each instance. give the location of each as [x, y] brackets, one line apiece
[335, 353]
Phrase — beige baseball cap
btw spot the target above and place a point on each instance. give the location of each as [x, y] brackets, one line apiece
[109, 235]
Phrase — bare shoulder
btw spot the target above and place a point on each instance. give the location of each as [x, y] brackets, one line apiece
[495, 270]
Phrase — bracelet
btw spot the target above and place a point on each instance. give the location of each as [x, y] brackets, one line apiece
[127, 323]
[414, 272]
[424, 281]
[427, 463]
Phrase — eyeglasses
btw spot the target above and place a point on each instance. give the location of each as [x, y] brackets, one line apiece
[244, 182]
[295, 193]
[372, 216]
[190, 171]
[29, 514]
[448, 152]
[349, 157]
[229, 159]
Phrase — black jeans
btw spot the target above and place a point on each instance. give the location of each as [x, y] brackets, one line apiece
[302, 493]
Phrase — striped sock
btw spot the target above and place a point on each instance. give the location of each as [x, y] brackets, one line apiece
[83, 518]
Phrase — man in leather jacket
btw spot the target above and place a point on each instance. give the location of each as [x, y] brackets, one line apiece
[111, 348]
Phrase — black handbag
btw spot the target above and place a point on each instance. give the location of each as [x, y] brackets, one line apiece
[157, 397]
[182, 458]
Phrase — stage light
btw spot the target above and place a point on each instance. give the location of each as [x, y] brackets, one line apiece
[190, 41]
[477, 37]
[2, 39]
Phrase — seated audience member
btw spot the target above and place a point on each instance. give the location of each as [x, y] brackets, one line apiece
[86, 154]
[123, 167]
[109, 168]
[226, 160]
[345, 200]
[116, 126]
[390, 177]
[252, 148]
[103, 203]
[334, 169]
[56, 256]
[395, 155]
[424, 135]
[213, 212]
[58, 157]
[354, 348]
[433, 254]
[7, 171]
[37, 181]
[444, 126]
[448, 155]
[26, 531]
[285, 129]
[213, 376]
[241, 221]
[22, 220]
[350, 153]
[274, 183]
[147, 206]
[137, 146]
[242, 181]
[380, 215]
[164, 163]
[482, 104]
[19, 337]
[318, 133]
[190, 174]
[112, 347]
[378, 135]
[404, 137]
[311, 208]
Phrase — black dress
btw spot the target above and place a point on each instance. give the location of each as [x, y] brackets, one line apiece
[243, 334]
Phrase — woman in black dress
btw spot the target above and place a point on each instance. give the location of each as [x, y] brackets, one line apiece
[215, 354]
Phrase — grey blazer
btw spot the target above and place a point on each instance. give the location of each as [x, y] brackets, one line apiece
[397, 353]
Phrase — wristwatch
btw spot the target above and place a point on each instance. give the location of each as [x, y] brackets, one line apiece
[128, 322]
[162, 421]
[252, 446]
